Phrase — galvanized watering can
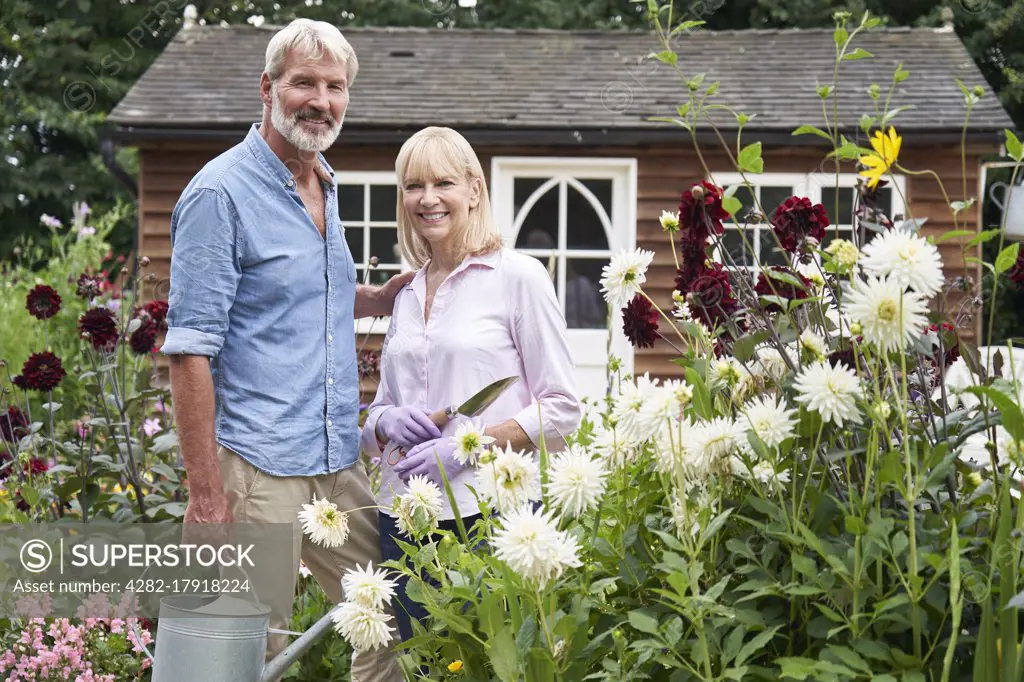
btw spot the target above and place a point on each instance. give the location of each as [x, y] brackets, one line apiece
[221, 639]
[1012, 204]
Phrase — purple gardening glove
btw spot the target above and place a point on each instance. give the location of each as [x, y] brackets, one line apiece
[422, 461]
[407, 426]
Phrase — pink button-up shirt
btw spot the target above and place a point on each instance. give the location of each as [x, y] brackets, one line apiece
[494, 316]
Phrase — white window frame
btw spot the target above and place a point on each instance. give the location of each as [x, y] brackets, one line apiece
[365, 325]
[807, 185]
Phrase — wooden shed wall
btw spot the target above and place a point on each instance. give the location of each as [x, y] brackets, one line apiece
[663, 172]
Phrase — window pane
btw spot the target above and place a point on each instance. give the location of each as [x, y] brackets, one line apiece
[828, 199]
[540, 228]
[384, 244]
[585, 308]
[740, 251]
[771, 197]
[584, 229]
[885, 196]
[382, 202]
[771, 252]
[350, 202]
[602, 189]
[354, 236]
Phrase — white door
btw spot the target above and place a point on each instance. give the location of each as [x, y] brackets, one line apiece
[572, 214]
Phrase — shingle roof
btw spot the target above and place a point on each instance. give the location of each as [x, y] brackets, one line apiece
[207, 78]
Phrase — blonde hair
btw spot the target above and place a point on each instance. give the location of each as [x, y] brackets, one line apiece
[314, 39]
[433, 153]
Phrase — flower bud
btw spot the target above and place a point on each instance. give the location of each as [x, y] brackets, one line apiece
[856, 328]
[979, 91]
[697, 192]
[144, 262]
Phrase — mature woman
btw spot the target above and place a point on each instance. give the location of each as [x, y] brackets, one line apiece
[474, 313]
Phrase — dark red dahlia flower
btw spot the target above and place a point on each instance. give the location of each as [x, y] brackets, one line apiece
[13, 425]
[950, 343]
[796, 219]
[36, 466]
[701, 212]
[710, 296]
[640, 322]
[143, 338]
[845, 354]
[767, 285]
[42, 371]
[692, 265]
[43, 302]
[89, 287]
[158, 311]
[98, 327]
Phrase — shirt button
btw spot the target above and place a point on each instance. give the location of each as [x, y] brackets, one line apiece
[330, 382]
[330, 337]
[330, 423]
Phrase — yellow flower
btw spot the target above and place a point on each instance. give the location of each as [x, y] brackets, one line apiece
[455, 666]
[887, 149]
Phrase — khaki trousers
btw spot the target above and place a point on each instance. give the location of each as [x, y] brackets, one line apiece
[256, 497]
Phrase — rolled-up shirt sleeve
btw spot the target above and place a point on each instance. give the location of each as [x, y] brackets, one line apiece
[539, 332]
[204, 273]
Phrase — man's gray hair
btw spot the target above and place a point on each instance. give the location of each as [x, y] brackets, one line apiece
[313, 39]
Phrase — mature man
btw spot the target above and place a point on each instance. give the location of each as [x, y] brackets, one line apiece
[261, 339]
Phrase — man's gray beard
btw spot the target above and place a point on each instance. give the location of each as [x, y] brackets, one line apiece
[291, 129]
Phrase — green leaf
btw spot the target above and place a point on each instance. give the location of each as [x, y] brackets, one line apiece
[750, 158]
[812, 130]
[1012, 417]
[901, 74]
[1014, 147]
[683, 110]
[856, 525]
[756, 644]
[503, 654]
[841, 35]
[796, 667]
[1007, 258]
[953, 234]
[712, 89]
[701, 395]
[665, 57]
[30, 495]
[686, 26]
[643, 621]
[743, 348]
[859, 53]
[732, 205]
[849, 657]
[982, 237]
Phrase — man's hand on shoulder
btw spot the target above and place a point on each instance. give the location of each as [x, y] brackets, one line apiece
[379, 301]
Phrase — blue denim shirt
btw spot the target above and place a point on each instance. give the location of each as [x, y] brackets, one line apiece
[257, 289]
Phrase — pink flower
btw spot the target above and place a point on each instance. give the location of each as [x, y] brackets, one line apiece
[152, 426]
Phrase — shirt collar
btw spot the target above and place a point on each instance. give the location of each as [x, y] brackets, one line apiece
[262, 151]
[488, 260]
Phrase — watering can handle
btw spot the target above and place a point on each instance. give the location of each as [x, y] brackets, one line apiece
[997, 200]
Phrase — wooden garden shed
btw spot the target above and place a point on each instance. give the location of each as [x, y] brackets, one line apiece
[561, 123]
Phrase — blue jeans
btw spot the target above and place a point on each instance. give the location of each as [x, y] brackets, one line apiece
[407, 609]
